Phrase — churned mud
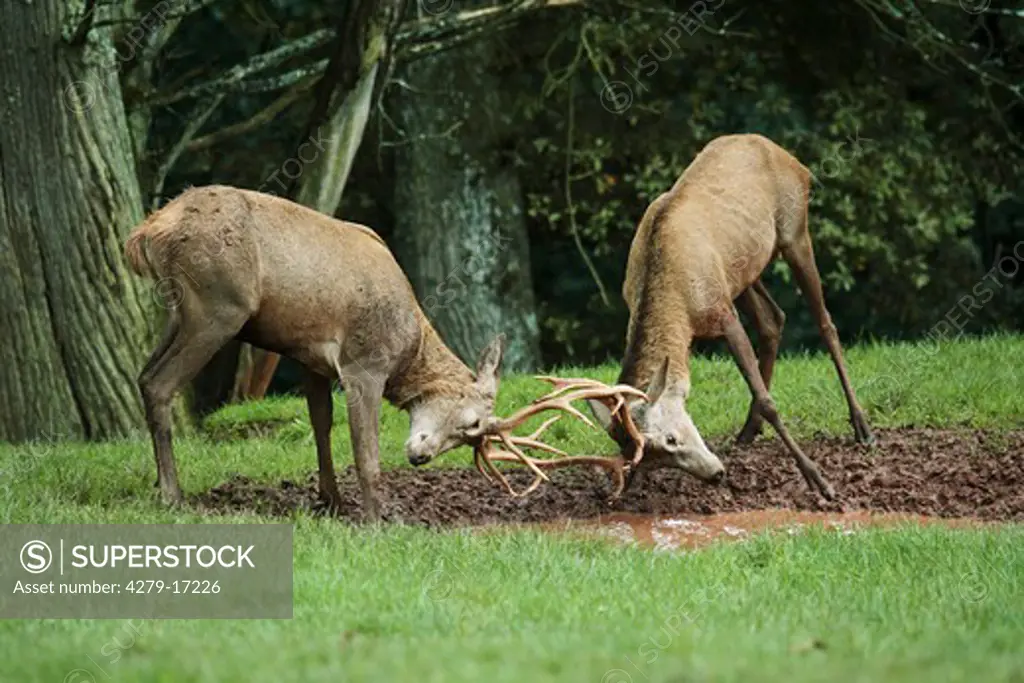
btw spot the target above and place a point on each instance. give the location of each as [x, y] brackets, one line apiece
[910, 475]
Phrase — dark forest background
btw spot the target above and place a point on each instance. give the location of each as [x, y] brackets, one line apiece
[505, 151]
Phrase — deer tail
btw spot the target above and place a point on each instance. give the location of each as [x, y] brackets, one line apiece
[136, 254]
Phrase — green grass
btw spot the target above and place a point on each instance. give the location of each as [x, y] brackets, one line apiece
[400, 604]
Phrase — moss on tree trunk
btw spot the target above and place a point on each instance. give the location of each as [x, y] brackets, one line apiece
[77, 327]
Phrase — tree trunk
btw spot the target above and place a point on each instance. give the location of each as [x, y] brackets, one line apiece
[459, 207]
[75, 324]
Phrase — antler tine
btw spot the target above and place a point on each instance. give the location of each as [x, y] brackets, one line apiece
[547, 423]
[486, 454]
[506, 440]
[530, 442]
[538, 445]
[535, 408]
[620, 402]
[578, 389]
[479, 461]
[621, 413]
[564, 384]
[613, 465]
[564, 392]
[482, 459]
[535, 436]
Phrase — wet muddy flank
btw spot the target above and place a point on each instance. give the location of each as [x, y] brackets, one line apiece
[909, 476]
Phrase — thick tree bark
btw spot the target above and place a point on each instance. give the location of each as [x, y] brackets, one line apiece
[459, 207]
[76, 325]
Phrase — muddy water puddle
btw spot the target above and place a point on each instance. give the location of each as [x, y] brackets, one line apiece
[688, 532]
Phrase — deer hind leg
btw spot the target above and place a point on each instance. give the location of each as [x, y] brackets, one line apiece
[769, 320]
[743, 351]
[188, 345]
[321, 416]
[800, 256]
[170, 332]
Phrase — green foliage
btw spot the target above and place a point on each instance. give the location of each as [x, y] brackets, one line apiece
[917, 158]
[898, 184]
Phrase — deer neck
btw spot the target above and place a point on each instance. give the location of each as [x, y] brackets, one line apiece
[658, 329]
[432, 370]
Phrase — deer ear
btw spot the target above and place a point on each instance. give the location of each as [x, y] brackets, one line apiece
[488, 367]
[604, 418]
[658, 383]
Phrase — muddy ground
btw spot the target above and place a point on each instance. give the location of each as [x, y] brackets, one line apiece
[936, 473]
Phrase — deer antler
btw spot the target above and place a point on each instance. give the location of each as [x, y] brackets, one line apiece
[565, 391]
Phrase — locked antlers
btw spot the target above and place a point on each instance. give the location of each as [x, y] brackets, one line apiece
[564, 392]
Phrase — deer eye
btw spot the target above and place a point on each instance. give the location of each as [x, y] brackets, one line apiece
[671, 440]
[475, 424]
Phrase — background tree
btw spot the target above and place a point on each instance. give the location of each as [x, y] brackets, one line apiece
[76, 326]
[458, 205]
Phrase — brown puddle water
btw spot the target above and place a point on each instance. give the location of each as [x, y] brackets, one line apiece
[688, 532]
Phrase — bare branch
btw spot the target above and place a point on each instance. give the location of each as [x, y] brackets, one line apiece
[167, 10]
[430, 36]
[959, 6]
[418, 40]
[415, 41]
[673, 15]
[914, 19]
[233, 79]
[260, 118]
[281, 81]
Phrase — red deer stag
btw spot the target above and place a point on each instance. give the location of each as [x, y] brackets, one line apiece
[250, 266]
[699, 247]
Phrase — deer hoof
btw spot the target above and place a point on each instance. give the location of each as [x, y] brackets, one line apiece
[750, 431]
[330, 501]
[172, 498]
[861, 431]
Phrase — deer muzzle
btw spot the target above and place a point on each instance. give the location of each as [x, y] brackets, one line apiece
[420, 449]
[714, 470]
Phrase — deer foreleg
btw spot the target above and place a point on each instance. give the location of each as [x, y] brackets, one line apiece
[364, 394]
[768, 319]
[743, 352]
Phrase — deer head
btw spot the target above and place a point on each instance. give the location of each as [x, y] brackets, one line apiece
[670, 437]
[439, 423]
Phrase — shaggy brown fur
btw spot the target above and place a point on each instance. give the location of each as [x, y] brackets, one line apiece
[703, 245]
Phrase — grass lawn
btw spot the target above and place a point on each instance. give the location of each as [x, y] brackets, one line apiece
[403, 604]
